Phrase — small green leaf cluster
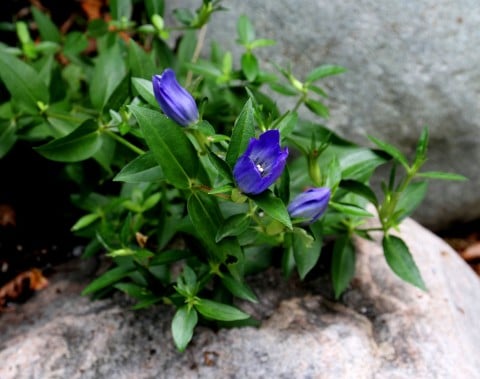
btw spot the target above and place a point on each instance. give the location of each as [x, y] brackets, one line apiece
[176, 228]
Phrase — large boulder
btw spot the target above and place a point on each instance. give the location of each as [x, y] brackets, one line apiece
[381, 328]
[410, 64]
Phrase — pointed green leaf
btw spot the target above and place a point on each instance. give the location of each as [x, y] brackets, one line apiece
[108, 278]
[143, 168]
[440, 175]
[219, 311]
[250, 66]
[121, 9]
[343, 264]
[238, 289]
[360, 189]
[109, 70]
[170, 146]
[246, 33]
[391, 150]
[84, 221]
[243, 131]
[401, 261]
[145, 89]
[323, 71]
[350, 209]
[79, 145]
[261, 42]
[47, 29]
[206, 218]
[23, 82]
[306, 250]
[139, 62]
[411, 198]
[274, 207]
[8, 137]
[318, 108]
[233, 226]
[183, 324]
[169, 256]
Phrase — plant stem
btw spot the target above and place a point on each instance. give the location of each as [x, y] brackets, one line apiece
[196, 53]
[124, 142]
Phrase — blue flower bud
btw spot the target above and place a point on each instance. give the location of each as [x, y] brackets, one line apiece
[261, 164]
[174, 100]
[310, 205]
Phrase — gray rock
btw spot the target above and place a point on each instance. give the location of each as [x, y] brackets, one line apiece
[382, 328]
[410, 64]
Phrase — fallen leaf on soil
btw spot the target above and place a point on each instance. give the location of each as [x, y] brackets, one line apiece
[7, 215]
[471, 252]
[31, 280]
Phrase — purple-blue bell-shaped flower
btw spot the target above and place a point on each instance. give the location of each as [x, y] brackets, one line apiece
[261, 164]
[310, 204]
[175, 101]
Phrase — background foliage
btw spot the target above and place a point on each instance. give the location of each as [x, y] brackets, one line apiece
[172, 221]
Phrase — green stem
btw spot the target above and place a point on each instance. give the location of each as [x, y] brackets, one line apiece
[124, 142]
[386, 210]
[299, 102]
[196, 53]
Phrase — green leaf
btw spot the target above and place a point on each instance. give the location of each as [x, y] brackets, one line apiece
[323, 71]
[79, 145]
[143, 168]
[218, 311]
[84, 221]
[75, 43]
[440, 175]
[238, 289]
[183, 324]
[421, 150]
[306, 249]
[169, 256]
[134, 290]
[139, 62]
[145, 89]
[249, 66]
[47, 29]
[318, 108]
[391, 150]
[206, 218]
[410, 199]
[154, 7]
[243, 131]
[170, 146]
[350, 209]
[274, 207]
[233, 226]
[223, 169]
[360, 189]
[246, 33]
[108, 278]
[119, 95]
[121, 9]
[108, 72]
[286, 124]
[8, 137]
[343, 264]
[334, 174]
[261, 42]
[401, 261]
[23, 82]
[284, 89]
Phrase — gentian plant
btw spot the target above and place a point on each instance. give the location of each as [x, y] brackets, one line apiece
[210, 181]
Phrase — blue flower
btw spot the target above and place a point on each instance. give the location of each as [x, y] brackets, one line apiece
[310, 205]
[174, 100]
[261, 164]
